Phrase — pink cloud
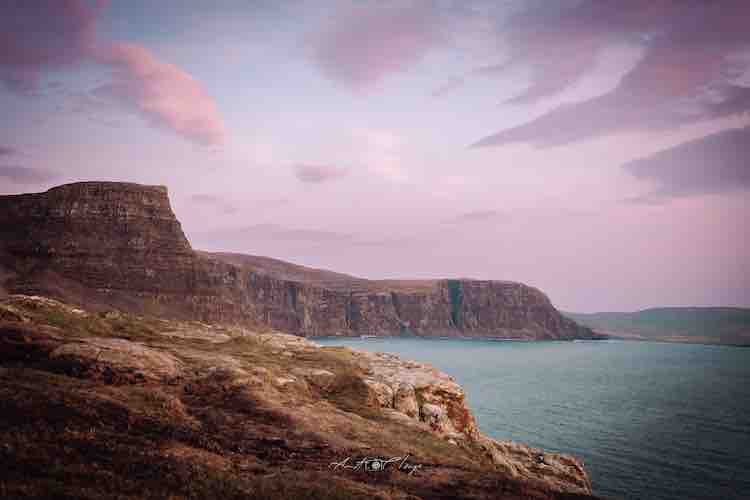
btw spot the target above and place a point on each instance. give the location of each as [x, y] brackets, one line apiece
[37, 37]
[364, 44]
[162, 93]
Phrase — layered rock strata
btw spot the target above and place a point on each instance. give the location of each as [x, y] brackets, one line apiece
[117, 244]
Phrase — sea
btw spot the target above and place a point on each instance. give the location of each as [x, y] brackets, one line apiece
[649, 420]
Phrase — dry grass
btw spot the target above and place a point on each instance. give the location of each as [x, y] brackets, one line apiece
[211, 433]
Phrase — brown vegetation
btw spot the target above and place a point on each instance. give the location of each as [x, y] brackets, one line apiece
[90, 409]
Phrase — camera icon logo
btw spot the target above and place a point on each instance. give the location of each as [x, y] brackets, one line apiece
[374, 465]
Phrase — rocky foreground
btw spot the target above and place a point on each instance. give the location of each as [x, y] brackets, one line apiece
[112, 405]
[110, 244]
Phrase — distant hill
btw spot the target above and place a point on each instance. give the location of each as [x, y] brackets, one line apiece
[714, 325]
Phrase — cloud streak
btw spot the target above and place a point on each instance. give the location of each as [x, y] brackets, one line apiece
[317, 174]
[687, 74]
[716, 164]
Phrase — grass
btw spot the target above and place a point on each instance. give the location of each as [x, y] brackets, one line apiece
[210, 433]
[77, 323]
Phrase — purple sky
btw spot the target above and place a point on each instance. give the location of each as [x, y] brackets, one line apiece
[596, 149]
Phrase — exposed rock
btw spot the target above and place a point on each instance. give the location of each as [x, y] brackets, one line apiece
[315, 376]
[383, 393]
[107, 244]
[240, 406]
[436, 418]
[405, 400]
[420, 391]
[562, 471]
[121, 357]
[10, 313]
[282, 381]
[198, 334]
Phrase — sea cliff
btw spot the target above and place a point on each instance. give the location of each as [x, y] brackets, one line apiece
[107, 244]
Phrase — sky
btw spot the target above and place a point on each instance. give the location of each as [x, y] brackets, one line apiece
[596, 149]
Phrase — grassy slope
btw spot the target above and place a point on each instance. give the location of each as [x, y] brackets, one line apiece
[320, 277]
[87, 431]
[722, 325]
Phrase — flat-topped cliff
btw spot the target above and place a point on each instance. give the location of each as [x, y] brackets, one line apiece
[110, 244]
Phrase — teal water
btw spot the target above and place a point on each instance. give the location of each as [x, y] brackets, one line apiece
[651, 421]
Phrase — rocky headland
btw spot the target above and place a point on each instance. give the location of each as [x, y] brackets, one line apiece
[113, 405]
[107, 244]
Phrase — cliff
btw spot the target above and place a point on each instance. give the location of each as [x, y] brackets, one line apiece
[112, 405]
[120, 245]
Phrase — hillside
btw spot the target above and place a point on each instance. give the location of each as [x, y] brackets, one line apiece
[323, 278]
[111, 405]
[713, 325]
[108, 244]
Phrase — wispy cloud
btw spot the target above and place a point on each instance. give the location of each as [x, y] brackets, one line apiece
[686, 75]
[316, 174]
[715, 164]
[365, 43]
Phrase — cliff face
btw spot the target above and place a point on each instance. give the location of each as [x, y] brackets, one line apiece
[105, 235]
[117, 244]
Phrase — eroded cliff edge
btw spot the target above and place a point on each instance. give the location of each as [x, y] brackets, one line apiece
[112, 405]
[108, 244]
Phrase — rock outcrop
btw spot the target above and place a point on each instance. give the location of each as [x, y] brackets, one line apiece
[119, 245]
[111, 405]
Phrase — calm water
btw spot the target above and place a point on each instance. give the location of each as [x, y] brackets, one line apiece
[651, 421]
